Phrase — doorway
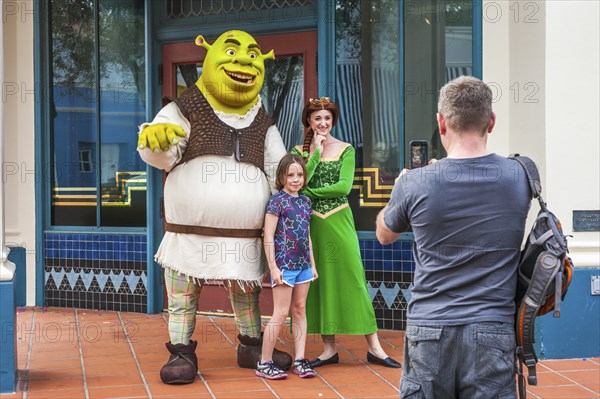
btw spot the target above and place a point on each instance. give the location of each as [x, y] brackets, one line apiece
[289, 80]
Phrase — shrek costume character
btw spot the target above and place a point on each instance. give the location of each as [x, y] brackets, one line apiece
[221, 150]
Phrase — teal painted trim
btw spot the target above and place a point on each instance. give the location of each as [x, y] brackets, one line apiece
[402, 102]
[95, 229]
[366, 235]
[186, 34]
[8, 343]
[17, 256]
[41, 75]
[576, 333]
[134, 231]
[98, 113]
[326, 47]
[154, 176]
[477, 42]
[370, 235]
[154, 88]
[290, 19]
[154, 237]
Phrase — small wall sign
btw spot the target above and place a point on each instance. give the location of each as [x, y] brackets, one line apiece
[586, 220]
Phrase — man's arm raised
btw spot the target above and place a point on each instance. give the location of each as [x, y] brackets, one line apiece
[384, 234]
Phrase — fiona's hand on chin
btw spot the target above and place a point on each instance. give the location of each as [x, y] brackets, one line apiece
[319, 139]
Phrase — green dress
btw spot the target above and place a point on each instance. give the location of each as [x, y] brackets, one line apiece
[338, 301]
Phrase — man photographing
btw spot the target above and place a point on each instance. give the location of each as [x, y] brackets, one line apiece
[467, 212]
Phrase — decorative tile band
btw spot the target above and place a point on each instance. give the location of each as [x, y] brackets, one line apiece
[389, 271]
[131, 280]
[393, 296]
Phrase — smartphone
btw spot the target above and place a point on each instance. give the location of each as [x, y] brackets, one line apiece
[418, 153]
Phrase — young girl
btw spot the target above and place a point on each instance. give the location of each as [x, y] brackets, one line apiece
[289, 253]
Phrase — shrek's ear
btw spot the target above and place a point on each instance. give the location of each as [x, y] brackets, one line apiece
[270, 55]
[202, 43]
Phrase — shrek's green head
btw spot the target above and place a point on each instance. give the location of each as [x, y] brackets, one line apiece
[233, 71]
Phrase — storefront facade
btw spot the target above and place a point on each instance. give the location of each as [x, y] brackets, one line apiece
[101, 67]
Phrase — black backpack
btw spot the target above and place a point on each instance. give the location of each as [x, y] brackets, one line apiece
[544, 274]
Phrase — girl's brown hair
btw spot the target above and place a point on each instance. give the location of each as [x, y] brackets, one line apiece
[284, 165]
[312, 105]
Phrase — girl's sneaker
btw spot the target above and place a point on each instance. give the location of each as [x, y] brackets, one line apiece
[303, 369]
[270, 371]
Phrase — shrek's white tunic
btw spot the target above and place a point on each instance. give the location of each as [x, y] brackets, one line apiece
[215, 191]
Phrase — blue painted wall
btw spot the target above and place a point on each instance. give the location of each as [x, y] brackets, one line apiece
[576, 334]
[8, 344]
[17, 256]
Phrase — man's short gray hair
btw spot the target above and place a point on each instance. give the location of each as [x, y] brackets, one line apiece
[466, 104]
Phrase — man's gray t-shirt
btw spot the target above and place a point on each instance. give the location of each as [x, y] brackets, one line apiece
[468, 219]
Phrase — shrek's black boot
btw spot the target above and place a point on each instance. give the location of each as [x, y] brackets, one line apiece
[249, 351]
[182, 366]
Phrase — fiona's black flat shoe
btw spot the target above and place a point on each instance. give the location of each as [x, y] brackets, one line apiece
[318, 362]
[387, 362]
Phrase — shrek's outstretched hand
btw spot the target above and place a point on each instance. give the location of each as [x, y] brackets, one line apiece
[160, 136]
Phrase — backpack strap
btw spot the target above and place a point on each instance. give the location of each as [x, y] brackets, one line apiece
[525, 351]
[532, 173]
[520, 376]
[533, 177]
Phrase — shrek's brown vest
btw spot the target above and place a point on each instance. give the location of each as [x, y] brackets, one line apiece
[211, 136]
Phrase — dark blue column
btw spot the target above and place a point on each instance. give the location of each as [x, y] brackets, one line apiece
[8, 335]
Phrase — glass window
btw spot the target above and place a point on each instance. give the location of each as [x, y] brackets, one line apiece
[369, 82]
[437, 49]
[283, 96]
[374, 67]
[98, 93]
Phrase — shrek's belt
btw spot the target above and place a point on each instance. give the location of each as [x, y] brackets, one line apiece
[212, 231]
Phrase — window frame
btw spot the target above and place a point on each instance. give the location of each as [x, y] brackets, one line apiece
[44, 127]
[85, 165]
